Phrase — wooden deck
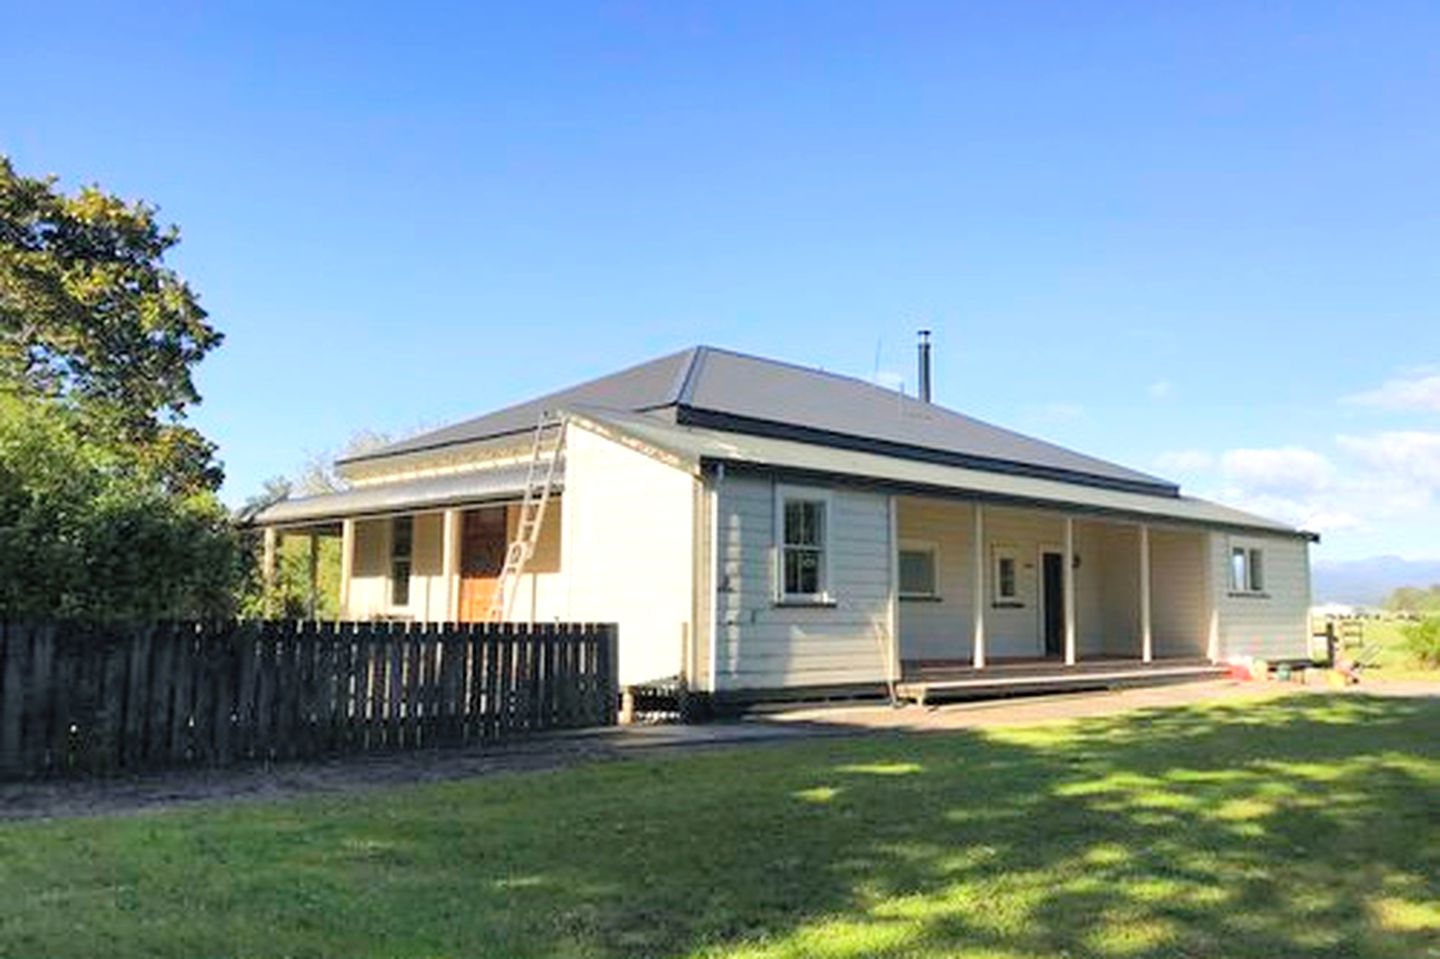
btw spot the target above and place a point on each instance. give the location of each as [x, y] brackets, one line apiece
[926, 682]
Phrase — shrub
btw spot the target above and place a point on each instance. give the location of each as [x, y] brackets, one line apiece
[1422, 639]
[87, 531]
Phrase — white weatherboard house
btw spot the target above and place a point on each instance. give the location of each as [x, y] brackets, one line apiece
[758, 528]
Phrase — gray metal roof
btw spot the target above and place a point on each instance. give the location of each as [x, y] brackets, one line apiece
[649, 385]
[432, 492]
[705, 386]
[695, 446]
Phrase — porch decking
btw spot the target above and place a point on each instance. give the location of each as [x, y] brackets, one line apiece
[928, 681]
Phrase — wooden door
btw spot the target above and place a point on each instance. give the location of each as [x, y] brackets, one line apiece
[483, 538]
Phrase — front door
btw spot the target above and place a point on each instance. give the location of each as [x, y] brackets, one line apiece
[1053, 603]
[482, 554]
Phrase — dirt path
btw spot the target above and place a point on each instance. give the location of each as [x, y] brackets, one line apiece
[157, 791]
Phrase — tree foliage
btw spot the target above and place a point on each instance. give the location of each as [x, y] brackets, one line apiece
[1413, 599]
[1422, 639]
[89, 530]
[107, 502]
[288, 595]
[90, 316]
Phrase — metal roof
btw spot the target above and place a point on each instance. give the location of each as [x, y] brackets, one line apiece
[431, 492]
[649, 385]
[705, 386]
[694, 446]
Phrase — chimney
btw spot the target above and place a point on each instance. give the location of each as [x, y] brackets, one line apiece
[924, 366]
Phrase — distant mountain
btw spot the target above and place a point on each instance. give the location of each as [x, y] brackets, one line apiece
[1366, 582]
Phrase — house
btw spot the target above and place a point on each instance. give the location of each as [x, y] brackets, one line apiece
[759, 528]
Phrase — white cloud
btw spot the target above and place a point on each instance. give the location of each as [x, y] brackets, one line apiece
[1408, 454]
[1184, 461]
[1161, 389]
[1372, 480]
[1283, 470]
[1419, 392]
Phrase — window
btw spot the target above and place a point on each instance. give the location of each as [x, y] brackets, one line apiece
[917, 571]
[1247, 569]
[804, 522]
[1005, 578]
[402, 547]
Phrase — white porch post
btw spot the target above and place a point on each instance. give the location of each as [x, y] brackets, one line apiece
[1069, 574]
[267, 561]
[893, 663]
[450, 562]
[977, 642]
[347, 565]
[314, 601]
[1147, 639]
[1216, 569]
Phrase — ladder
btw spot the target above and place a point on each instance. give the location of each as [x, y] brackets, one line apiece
[539, 486]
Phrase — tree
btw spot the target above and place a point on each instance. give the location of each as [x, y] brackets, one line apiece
[91, 317]
[107, 499]
[1413, 599]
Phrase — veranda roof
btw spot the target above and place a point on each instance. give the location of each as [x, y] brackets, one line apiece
[693, 447]
[431, 492]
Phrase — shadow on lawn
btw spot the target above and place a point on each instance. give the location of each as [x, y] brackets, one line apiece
[1304, 826]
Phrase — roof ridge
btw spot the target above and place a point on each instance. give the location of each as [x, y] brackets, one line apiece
[771, 361]
[685, 381]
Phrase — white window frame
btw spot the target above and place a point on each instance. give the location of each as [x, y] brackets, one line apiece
[391, 559]
[1251, 578]
[920, 546]
[998, 552]
[811, 494]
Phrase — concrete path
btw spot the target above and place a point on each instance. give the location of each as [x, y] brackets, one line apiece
[355, 774]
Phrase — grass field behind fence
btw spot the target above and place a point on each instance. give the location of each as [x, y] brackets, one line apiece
[1302, 826]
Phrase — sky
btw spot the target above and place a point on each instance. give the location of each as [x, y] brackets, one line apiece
[1198, 239]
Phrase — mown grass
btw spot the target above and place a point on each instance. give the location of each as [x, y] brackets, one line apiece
[1301, 826]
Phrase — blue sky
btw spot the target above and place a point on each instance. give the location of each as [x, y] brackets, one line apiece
[1199, 239]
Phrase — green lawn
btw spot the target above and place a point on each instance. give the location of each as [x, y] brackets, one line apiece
[1302, 826]
[1385, 649]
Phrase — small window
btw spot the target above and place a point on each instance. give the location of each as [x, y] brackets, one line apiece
[1247, 570]
[402, 548]
[804, 532]
[917, 571]
[1006, 575]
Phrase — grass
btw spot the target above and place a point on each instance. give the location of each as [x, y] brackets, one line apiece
[1385, 644]
[1299, 826]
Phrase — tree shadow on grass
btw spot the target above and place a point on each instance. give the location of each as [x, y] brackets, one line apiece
[1297, 827]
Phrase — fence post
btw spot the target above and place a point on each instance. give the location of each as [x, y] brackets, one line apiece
[610, 644]
[12, 691]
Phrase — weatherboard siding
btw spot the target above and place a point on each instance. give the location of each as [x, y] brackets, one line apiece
[764, 644]
[1179, 590]
[1273, 625]
[939, 628]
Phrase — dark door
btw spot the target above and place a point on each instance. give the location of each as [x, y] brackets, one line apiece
[1054, 604]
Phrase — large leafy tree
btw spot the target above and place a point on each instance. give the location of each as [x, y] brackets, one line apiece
[107, 499]
[92, 318]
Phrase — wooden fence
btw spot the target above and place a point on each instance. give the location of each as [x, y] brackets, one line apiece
[86, 699]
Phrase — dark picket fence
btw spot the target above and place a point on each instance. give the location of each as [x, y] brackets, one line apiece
[90, 699]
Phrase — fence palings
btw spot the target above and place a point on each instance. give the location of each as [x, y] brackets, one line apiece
[84, 698]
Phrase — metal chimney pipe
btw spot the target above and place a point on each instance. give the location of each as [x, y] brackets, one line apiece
[924, 366]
